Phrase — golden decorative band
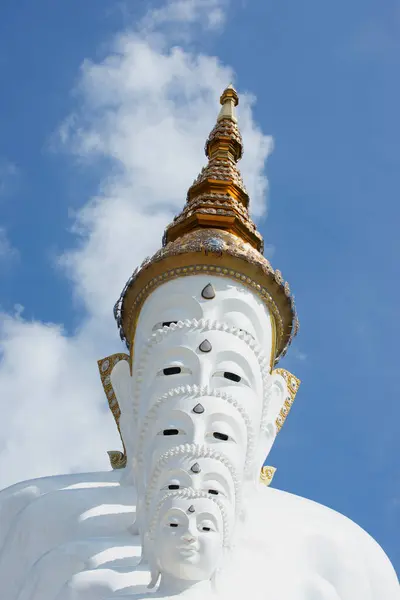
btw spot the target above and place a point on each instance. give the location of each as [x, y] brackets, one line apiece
[207, 270]
[211, 252]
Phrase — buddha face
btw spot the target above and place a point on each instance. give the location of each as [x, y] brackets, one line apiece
[189, 469]
[187, 538]
[209, 421]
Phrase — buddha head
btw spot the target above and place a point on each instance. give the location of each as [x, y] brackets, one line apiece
[187, 537]
[190, 467]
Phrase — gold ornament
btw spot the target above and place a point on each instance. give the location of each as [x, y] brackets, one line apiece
[293, 384]
[214, 234]
[267, 475]
[106, 365]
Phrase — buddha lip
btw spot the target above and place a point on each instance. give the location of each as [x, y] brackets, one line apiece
[188, 549]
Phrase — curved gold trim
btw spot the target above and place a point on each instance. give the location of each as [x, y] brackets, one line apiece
[293, 384]
[105, 366]
[267, 475]
[274, 340]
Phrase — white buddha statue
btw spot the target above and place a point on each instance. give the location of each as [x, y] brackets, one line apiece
[198, 401]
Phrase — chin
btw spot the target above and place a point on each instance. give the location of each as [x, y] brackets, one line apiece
[189, 553]
[190, 559]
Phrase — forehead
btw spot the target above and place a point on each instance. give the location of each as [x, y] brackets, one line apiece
[183, 345]
[207, 465]
[201, 505]
[214, 408]
[181, 299]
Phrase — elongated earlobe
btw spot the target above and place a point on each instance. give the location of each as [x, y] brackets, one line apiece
[282, 390]
[277, 393]
[155, 576]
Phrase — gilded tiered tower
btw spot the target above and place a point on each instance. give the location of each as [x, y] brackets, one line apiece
[214, 235]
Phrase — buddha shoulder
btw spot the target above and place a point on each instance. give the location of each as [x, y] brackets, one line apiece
[327, 541]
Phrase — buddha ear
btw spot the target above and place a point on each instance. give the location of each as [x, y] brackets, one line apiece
[279, 397]
[148, 556]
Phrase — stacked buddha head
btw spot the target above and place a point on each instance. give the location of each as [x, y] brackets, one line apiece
[197, 400]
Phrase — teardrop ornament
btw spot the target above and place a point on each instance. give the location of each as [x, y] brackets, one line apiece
[205, 346]
[208, 293]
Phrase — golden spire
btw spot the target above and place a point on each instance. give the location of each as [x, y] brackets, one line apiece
[214, 235]
[229, 99]
[218, 198]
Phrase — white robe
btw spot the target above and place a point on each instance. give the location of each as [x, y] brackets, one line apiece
[69, 538]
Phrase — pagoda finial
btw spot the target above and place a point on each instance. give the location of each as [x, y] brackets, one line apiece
[229, 99]
[218, 198]
[225, 141]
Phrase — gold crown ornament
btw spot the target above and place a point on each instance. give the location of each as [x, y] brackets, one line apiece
[214, 235]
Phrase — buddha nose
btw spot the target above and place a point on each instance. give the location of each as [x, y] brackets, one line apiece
[205, 373]
[198, 433]
[190, 535]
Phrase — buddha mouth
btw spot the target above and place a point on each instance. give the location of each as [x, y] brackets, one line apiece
[188, 551]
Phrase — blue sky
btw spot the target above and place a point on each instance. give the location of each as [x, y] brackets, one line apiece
[325, 79]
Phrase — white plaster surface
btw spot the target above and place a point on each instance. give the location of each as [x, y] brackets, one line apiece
[289, 548]
[217, 531]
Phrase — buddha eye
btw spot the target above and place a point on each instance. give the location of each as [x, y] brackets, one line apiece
[171, 431]
[174, 486]
[206, 526]
[173, 524]
[214, 492]
[174, 370]
[220, 436]
[231, 376]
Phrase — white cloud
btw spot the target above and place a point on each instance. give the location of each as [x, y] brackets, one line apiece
[52, 419]
[9, 173]
[147, 108]
[7, 251]
[209, 13]
[8, 176]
